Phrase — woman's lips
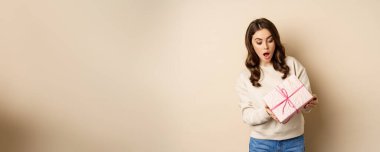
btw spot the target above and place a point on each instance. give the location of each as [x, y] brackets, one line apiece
[266, 55]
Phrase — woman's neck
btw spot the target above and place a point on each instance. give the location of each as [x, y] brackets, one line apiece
[266, 64]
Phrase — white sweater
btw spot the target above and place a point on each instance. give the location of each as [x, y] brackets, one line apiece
[253, 107]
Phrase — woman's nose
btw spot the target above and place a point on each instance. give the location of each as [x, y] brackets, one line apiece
[265, 46]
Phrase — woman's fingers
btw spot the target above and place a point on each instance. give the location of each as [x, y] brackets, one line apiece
[315, 98]
[271, 114]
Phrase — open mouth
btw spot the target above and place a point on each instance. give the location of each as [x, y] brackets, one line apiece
[266, 55]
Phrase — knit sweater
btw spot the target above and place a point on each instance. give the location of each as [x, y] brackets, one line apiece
[253, 107]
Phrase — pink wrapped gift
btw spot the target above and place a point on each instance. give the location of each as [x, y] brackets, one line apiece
[287, 98]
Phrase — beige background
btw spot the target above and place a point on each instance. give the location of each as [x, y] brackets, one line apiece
[139, 76]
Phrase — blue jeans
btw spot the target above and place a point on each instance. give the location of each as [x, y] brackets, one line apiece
[296, 144]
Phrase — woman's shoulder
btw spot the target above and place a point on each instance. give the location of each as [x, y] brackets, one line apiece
[294, 65]
[245, 73]
[243, 77]
[290, 60]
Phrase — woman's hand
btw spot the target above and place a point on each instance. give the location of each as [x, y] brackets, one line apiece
[271, 114]
[312, 103]
[274, 116]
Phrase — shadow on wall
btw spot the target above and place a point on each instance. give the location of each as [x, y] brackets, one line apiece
[315, 121]
[314, 130]
[14, 133]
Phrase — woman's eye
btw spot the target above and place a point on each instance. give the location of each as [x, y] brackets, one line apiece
[270, 40]
[259, 43]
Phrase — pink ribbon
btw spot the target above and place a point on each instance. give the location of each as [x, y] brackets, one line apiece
[287, 100]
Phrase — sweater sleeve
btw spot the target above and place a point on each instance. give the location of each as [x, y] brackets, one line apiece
[300, 72]
[252, 115]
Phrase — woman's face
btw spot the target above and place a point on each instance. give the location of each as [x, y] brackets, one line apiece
[264, 45]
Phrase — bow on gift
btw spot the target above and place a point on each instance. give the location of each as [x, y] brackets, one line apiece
[287, 100]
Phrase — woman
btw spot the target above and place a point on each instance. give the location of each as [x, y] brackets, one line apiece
[267, 66]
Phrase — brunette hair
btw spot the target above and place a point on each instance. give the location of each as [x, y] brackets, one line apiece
[253, 61]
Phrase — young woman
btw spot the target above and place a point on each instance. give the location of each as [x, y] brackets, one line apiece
[267, 66]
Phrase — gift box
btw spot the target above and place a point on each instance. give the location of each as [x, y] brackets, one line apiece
[287, 98]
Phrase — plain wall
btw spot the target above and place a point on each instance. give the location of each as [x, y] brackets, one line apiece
[138, 76]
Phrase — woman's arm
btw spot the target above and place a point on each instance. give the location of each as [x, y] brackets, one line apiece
[252, 115]
[301, 74]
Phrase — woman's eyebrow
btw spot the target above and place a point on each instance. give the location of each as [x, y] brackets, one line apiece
[265, 38]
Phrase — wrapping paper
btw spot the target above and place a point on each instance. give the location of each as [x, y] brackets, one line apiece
[287, 98]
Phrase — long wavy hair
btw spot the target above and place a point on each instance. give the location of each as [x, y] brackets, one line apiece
[253, 61]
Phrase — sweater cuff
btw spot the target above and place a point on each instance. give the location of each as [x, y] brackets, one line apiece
[306, 110]
[264, 114]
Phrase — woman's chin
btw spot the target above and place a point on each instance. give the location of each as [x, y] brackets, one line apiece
[266, 59]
